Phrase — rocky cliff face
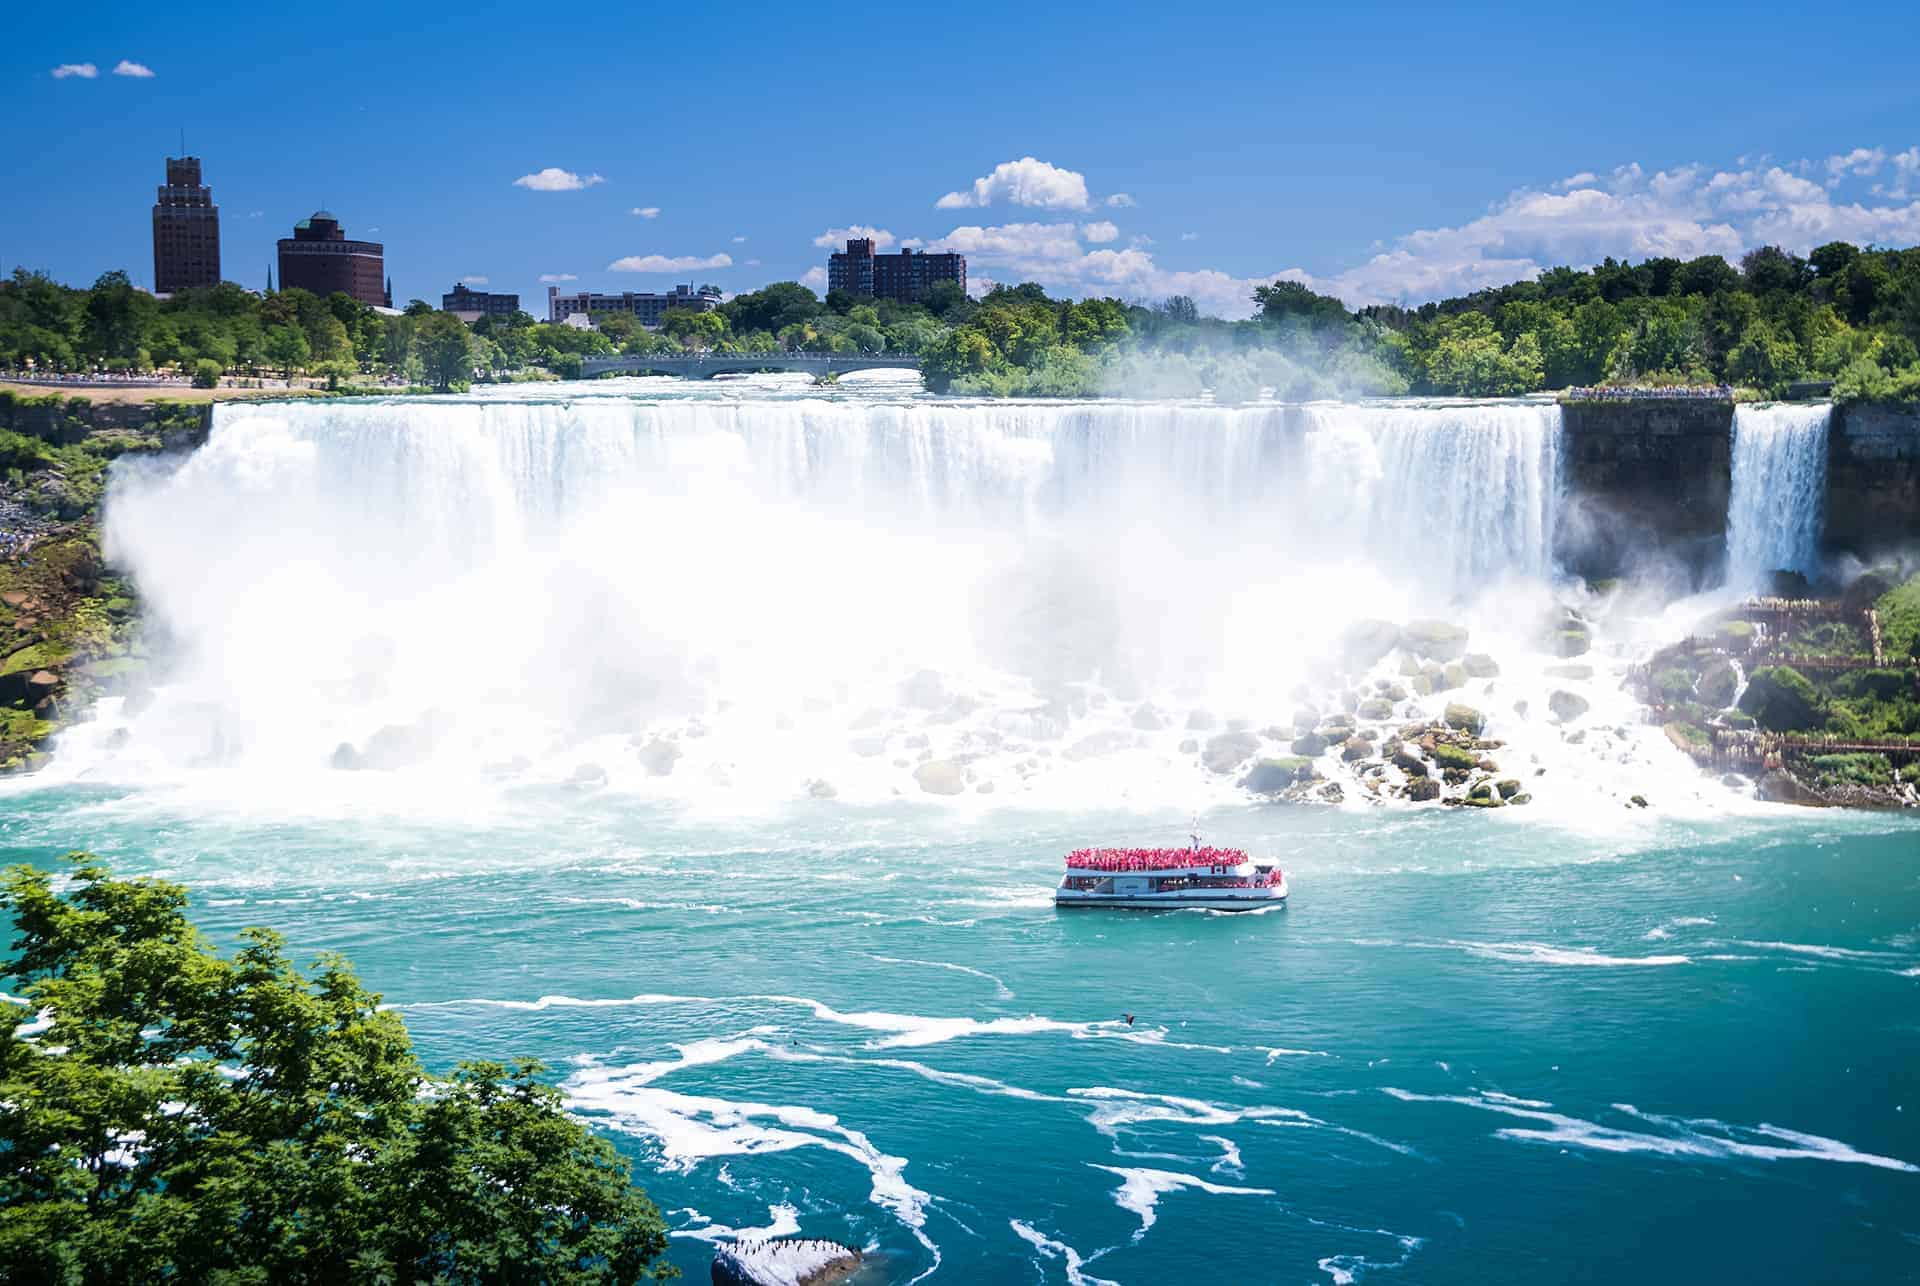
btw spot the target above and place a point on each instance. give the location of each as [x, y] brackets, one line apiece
[1645, 479]
[1873, 479]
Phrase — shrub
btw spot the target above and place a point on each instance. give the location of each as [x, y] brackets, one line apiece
[1852, 770]
[206, 373]
[1781, 700]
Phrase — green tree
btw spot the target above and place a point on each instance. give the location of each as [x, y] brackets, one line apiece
[286, 347]
[444, 347]
[188, 1117]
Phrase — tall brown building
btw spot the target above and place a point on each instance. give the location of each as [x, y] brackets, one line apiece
[905, 276]
[318, 257]
[186, 230]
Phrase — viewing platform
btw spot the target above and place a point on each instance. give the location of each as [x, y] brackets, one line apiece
[700, 366]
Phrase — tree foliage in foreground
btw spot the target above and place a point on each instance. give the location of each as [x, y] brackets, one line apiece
[194, 1118]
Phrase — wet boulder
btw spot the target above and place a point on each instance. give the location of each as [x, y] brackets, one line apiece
[1364, 643]
[1229, 750]
[1479, 665]
[1436, 640]
[1465, 718]
[1310, 745]
[941, 777]
[659, 756]
[1273, 776]
[1567, 706]
[1376, 708]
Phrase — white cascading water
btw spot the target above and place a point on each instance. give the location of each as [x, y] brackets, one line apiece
[748, 599]
[1776, 509]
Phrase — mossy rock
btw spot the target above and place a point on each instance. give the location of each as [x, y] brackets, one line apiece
[41, 656]
[1479, 665]
[1409, 665]
[1335, 731]
[1522, 798]
[1409, 763]
[1272, 776]
[1484, 801]
[1453, 758]
[1456, 676]
[1436, 640]
[1465, 718]
[1376, 708]
[1480, 790]
[1423, 789]
[1573, 640]
[1507, 788]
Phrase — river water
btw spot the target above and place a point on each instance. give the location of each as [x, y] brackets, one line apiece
[1577, 1041]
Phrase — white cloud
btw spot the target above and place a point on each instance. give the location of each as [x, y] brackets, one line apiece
[668, 263]
[752, 263]
[814, 277]
[555, 179]
[1120, 200]
[1860, 162]
[647, 211]
[1189, 236]
[126, 67]
[256, 214]
[555, 278]
[738, 241]
[85, 71]
[473, 281]
[837, 238]
[912, 243]
[1631, 214]
[1099, 231]
[1052, 254]
[1023, 182]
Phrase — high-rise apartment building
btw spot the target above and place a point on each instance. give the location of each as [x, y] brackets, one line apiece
[905, 276]
[186, 230]
[318, 257]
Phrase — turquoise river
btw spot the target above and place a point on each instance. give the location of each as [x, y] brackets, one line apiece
[595, 727]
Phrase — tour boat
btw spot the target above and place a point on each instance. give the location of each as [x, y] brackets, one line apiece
[1213, 879]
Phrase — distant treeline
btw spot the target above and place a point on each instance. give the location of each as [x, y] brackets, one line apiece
[1843, 314]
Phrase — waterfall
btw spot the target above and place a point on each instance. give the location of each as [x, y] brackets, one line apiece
[489, 581]
[1776, 509]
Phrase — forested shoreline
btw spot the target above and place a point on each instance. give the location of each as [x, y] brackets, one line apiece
[1840, 314]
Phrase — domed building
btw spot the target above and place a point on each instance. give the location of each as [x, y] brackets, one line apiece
[318, 257]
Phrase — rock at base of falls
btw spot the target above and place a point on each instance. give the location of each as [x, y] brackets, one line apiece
[783, 1261]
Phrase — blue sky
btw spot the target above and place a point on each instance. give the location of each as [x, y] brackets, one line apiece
[1379, 151]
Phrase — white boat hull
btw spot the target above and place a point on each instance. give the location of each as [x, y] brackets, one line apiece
[1252, 900]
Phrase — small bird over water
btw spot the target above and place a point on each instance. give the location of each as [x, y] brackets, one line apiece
[1129, 1020]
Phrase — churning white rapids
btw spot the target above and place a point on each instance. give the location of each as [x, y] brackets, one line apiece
[760, 592]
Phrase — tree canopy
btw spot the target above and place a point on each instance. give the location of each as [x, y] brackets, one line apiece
[175, 1115]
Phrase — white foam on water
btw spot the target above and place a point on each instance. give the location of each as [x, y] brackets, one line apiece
[1701, 1137]
[1050, 1248]
[1001, 990]
[1848, 955]
[783, 1220]
[939, 1076]
[691, 1128]
[1548, 954]
[1140, 1191]
[1277, 1051]
[1229, 1163]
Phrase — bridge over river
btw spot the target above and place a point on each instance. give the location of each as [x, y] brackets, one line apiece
[700, 366]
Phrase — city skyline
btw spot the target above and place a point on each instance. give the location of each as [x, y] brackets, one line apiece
[1279, 159]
